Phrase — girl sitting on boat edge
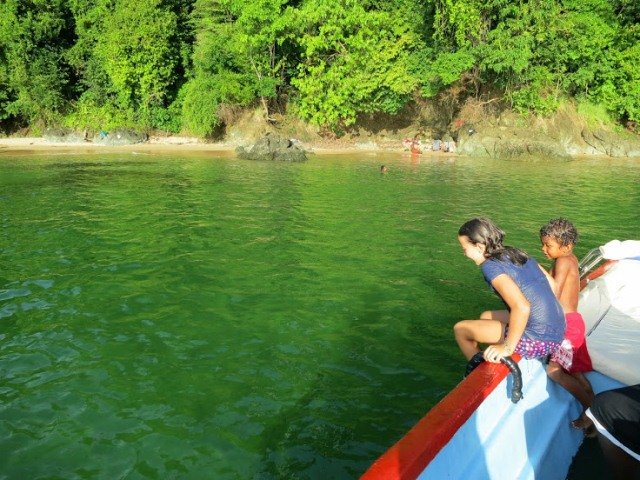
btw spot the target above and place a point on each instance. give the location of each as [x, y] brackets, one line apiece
[533, 324]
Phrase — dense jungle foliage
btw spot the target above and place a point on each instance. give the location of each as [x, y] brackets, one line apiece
[179, 65]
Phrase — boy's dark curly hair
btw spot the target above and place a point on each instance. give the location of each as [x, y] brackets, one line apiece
[562, 230]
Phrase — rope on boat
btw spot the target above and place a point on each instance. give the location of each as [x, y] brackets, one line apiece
[511, 364]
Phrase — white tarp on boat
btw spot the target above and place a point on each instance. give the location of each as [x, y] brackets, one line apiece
[610, 305]
[616, 250]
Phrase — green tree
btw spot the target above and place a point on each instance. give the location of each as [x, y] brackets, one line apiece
[353, 61]
[236, 59]
[483, 45]
[618, 86]
[34, 77]
[458, 41]
[131, 57]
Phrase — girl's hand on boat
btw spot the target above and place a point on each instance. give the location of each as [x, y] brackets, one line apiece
[494, 353]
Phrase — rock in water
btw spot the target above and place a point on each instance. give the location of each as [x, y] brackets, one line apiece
[273, 147]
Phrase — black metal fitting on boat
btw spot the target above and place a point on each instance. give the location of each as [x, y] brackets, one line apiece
[473, 362]
[510, 363]
[516, 390]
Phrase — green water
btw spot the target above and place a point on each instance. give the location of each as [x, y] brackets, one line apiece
[201, 317]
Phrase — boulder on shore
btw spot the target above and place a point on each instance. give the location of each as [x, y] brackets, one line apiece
[63, 135]
[123, 136]
[273, 147]
[563, 135]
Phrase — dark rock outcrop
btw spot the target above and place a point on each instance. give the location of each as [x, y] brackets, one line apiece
[118, 137]
[607, 143]
[493, 144]
[561, 136]
[63, 135]
[273, 147]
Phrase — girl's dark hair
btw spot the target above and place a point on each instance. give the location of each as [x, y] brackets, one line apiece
[484, 231]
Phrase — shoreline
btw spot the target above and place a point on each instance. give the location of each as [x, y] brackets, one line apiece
[160, 145]
[29, 145]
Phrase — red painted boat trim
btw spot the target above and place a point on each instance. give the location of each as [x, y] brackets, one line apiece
[410, 455]
[597, 272]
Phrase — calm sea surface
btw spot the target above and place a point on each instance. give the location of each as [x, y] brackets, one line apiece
[211, 318]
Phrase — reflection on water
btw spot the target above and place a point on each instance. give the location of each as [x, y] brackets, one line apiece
[216, 318]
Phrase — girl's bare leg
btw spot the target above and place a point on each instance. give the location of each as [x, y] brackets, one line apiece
[500, 315]
[469, 333]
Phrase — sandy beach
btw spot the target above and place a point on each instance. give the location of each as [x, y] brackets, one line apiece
[183, 145]
[29, 145]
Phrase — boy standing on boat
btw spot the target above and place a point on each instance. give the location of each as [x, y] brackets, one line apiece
[567, 364]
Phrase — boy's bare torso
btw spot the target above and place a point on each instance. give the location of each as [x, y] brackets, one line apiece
[565, 273]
